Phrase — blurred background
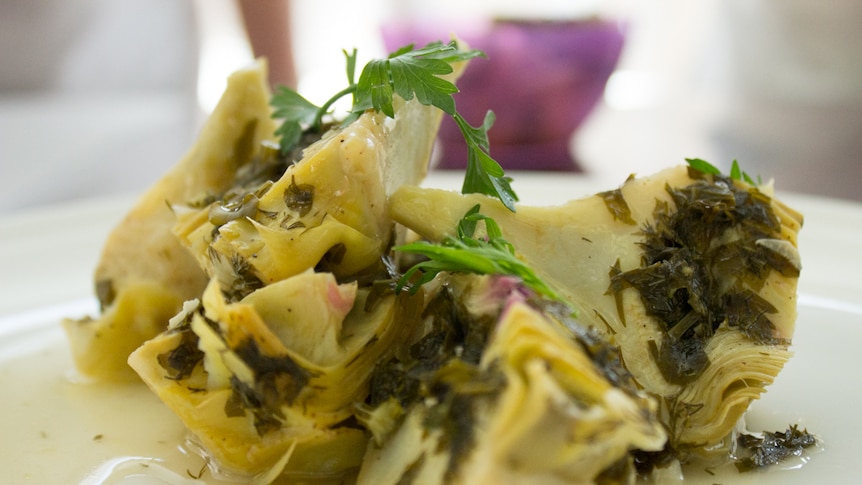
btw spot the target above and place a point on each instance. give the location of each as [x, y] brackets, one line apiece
[99, 97]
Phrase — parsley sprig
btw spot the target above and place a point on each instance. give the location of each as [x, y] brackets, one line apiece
[492, 255]
[409, 73]
[736, 173]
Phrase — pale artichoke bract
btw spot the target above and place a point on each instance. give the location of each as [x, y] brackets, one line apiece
[692, 276]
[267, 385]
[505, 388]
[145, 273]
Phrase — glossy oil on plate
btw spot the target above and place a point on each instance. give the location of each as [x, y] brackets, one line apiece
[58, 428]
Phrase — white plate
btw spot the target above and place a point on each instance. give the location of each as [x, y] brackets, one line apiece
[56, 429]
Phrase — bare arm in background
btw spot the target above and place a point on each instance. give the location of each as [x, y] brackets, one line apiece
[268, 25]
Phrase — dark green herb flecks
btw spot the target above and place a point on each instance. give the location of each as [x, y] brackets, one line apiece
[459, 390]
[605, 356]
[277, 382]
[440, 371]
[299, 197]
[618, 206]
[244, 280]
[699, 168]
[702, 267]
[182, 360]
[755, 452]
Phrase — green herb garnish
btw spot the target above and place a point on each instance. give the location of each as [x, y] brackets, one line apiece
[693, 280]
[772, 448]
[409, 73]
[703, 166]
[492, 255]
[735, 172]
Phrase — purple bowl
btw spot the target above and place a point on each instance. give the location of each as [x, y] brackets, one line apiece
[541, 78]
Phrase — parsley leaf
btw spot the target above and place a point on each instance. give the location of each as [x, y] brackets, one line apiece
[409, 73]
[736, 173]
[484, 175]
[296, 111]
[492, 255]
[703, 166]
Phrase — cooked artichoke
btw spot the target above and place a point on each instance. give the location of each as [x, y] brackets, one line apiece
[245, 220]
[504, 388]
[266, 368]
[266, 384]
[259, 304]
[145, 273]
[692, 276]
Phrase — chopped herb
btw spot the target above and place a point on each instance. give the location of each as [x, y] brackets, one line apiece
[736, 173]
[409, 73]
[299, 198]
[492, 255]
[277, 382]
[680, 361]
[238, 203]
[772, 448]
[295, 111]
[605, 356]
[456, 407]
[440, 371]
[237, 276]
[703, 166]
[693, 277]
[181, 361]
[391, 380]
[618, 206]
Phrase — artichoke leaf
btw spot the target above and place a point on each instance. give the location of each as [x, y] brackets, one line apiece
[142, 257]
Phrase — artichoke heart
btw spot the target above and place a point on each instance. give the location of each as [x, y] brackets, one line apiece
[235, 209]
[275, 374]
[142, 261]
[506, 395]
[330, 209]
[692, 276]
[277, 340]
